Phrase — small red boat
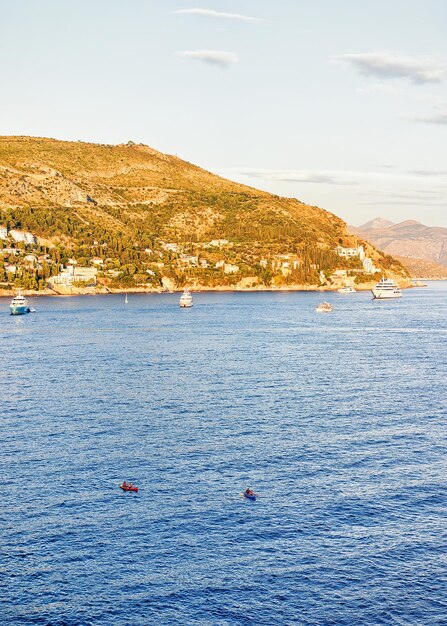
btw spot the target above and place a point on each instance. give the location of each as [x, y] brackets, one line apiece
[125, 487]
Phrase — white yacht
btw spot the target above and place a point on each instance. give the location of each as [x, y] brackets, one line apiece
[347, 289]
[324, 307]
[186, 299]
[19, 305]
[386, 288]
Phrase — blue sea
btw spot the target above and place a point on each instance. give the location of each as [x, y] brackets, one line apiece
[337, 421]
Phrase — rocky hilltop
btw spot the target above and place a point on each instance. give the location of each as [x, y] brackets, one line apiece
[141, 219]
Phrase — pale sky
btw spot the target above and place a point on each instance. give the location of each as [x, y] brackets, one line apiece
[340, 103]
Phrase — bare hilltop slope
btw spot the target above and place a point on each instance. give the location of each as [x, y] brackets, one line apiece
[134, 185]
[118, 202]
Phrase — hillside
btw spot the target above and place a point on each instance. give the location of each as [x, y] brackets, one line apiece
[407, 239]
[419, 268]
[144, 218]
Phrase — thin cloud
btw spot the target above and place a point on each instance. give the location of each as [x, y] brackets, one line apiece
[218, 58]
[218, 14]
[343, 177]
[404, 197]
[297, 176]
[429, 173]
[437, 118]
[389, 65]
[425, 195]
[409, 202]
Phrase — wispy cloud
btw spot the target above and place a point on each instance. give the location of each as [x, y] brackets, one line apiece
[297, 176]
[430, 173]
[426, 195]
[390, 65]
[406, 202]
[436, 118]
[388, 180]
[219, 58]
[414, 196]
[218, 14]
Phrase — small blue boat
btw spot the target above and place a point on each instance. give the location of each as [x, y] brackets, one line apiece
[250, 496]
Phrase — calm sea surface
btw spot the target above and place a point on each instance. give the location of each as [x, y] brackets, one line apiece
[337, 421]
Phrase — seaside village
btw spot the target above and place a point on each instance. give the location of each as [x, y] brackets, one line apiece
[29, 263]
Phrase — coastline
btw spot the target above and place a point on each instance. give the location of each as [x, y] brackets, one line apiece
[102, 291]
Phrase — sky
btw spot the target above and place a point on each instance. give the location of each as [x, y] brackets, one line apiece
[339, 103]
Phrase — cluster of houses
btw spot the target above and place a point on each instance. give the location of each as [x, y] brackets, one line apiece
[18, 236]
[29, 261]
[193, 260]
[285, 263]
[72, 273]
[359, 251]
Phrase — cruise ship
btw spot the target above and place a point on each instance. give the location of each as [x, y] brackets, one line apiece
[19, 305]
[386, 288]
[186, 299]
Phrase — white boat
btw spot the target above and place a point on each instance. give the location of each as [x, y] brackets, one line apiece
[126, 301]
[19, 305]
[186, 299]
[324, 307]
[386, 288]
[347, 289]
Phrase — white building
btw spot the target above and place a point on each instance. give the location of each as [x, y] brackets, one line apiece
[218, 243]
[340, 273]
[189, 259]
[369, 266]
[3, 232]
[170, 247]
[230, 269]
[73, 274]
[350, 252]
[21, 235]
[7, 251]
[30, 259]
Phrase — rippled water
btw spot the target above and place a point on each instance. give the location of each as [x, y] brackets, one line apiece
[337, 421]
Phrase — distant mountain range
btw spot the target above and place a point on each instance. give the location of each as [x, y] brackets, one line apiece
[409, 239]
